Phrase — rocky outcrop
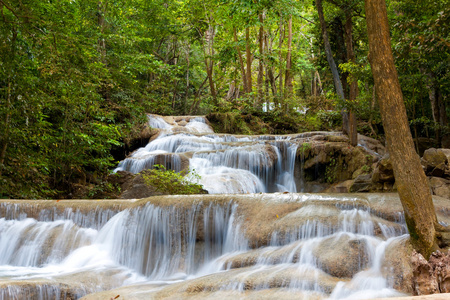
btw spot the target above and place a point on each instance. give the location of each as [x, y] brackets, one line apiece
[325, 159]
[343, 256]
[379, 177]
[432, 276]
[435, 162]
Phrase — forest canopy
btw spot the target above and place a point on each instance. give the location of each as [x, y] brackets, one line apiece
[77, 77]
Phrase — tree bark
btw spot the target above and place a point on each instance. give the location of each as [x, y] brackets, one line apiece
[280, 60]
[331, 62]
[288, 76]
[260, 99]
[353, 91]
[241, 61]
[209, 39]
[249, 60]
[410, 178]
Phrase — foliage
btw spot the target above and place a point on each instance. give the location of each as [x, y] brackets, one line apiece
[173, 183]
[77, 77]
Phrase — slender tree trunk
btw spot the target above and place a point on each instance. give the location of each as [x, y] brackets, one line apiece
[101, 6]
[260, 99]
[249, 60]
[241, 61]
[334, 70]
[269, 68]
[280, 59]
[410, 178]
[208, 52]
[188, 64]
[353, 91]
[437, 106]
[288, 76]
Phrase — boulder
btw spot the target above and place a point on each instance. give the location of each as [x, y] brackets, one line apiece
[362, 183]
[435, 162]
[342, 256]
[432, 276]
[383, 171]
[397, 267]
[440, 187]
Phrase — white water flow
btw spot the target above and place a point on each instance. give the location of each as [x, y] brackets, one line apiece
[320, 251]
[226, 164]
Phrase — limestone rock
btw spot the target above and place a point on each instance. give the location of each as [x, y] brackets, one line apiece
[342, 257]
[435, 162]
[362, 183]
[424, 279]
[440, 187]
[397, 267]
[341, 187]
[441, 267]
[432, 276]
[384, 171]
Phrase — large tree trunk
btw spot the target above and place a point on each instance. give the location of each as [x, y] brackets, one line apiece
[249, 60]
[334, 70]
[241, 61]
[353, 91]
[410, 178]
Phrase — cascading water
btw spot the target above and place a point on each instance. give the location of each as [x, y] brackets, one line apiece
[225, 163]
[267, 246]
[200, 245]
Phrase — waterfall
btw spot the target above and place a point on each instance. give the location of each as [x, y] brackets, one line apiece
[199, 242]
[225, 163]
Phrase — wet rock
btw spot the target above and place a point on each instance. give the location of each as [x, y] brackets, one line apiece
[342, 257]
[397, 267]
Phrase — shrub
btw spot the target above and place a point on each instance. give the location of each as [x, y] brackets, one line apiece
[174, 183]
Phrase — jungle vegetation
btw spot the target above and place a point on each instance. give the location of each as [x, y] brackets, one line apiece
[77, 77]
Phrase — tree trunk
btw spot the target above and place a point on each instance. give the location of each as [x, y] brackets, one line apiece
[334, 70]
[269, 70]
[288, 76]
[241, 61]
[353, 91]
[280, 60]
[209, 38]
[260, 99]
[410, 178]
[101, 24]
[249, 60]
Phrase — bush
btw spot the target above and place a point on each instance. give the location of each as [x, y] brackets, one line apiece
[173, 183]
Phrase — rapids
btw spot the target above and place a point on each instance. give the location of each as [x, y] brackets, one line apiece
[252, 237]
[227, 164]
[316, 246]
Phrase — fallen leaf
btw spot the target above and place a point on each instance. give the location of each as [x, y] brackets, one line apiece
[58, 200]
